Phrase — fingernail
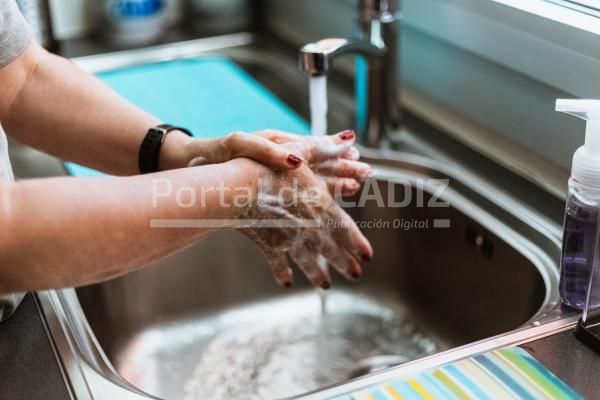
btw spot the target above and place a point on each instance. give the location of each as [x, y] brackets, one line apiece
[366, 174]
[325, 285]
[366, 257]
[287, 284]
[350, 187]
[355, 275]
[294, 160]
[347, 135]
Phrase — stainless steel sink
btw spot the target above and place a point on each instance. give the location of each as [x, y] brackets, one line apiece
[210, 323]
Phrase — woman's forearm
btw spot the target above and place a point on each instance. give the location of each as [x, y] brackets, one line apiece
[67, 231]
[58, 108]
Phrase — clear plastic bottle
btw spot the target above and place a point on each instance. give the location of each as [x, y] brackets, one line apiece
[581, 235]
[580, 240]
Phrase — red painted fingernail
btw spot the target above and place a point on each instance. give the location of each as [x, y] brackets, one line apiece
[355, 275]
[294, 160]
[287, 284]
[325, 285]
[347, 135]
[366, 257]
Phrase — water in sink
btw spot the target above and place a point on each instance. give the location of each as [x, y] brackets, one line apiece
[292, 350]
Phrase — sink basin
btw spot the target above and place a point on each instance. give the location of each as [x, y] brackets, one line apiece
[211, 323]
[453, 265]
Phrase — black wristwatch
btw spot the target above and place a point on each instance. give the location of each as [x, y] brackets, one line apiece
[150, 147]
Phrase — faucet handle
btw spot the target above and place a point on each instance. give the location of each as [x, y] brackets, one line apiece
[368, 9]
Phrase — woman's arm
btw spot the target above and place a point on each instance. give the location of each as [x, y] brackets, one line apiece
[68, 231]
[50, 104]
[54, 106]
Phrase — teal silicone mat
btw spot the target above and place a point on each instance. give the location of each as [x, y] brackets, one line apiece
[509, 373]
[210, 96]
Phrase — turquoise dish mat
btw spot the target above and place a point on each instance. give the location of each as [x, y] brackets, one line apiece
[210, 96]
[509, 373]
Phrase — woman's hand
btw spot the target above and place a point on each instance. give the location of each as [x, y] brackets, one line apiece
[334, 158]
[293, 215]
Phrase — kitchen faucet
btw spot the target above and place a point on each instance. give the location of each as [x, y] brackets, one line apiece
[376, 41]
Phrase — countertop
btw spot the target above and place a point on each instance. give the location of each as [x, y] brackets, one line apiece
[30, 369]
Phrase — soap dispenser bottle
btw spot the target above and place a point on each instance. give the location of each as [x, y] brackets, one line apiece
[581, 223]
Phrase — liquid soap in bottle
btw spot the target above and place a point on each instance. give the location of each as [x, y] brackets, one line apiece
[581, 223]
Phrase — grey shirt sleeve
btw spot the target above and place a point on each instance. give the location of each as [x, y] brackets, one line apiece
[14, 37]
[14, 32]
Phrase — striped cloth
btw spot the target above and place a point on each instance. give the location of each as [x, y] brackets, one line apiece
[509, 373]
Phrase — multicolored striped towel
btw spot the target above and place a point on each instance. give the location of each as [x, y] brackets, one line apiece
[509, 373]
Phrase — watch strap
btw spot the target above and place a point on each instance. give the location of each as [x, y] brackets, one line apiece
[149, 153]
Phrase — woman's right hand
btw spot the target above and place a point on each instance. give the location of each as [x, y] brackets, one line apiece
[294, 215]
[334, 158]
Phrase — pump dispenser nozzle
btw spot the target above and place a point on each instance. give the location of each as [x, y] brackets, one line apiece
[586, 161]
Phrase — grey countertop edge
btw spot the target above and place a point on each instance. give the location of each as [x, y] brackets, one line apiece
[30, 369]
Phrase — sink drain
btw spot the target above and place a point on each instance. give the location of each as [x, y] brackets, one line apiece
[377, 363]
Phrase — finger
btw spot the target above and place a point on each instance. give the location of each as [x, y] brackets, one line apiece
[351, 154]
[314, 267]
[329, 147]
[280, 269]
[341, 260]
[238, 144]
[315, 149]
[347, 137]
[339, 187]
[279, 137]
[345, 168]
[347, 234]
[277, 260]
[355, 267]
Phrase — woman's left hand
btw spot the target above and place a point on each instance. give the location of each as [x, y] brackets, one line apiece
[333, 158]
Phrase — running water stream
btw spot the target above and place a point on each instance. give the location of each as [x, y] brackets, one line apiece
[318, 105]
[318, 120]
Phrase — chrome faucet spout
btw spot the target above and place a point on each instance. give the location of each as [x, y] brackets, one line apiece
[377, 84]
[317, 58]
